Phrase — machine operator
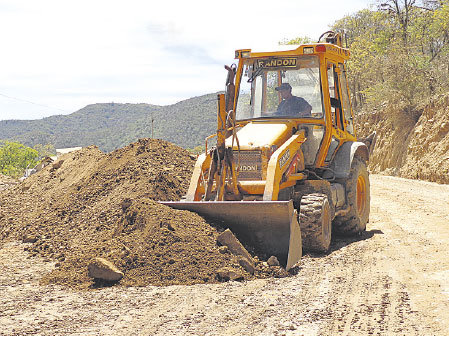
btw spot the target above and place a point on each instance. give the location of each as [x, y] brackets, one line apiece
[292, 105]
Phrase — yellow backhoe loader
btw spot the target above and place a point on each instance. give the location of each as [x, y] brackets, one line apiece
[287, 168]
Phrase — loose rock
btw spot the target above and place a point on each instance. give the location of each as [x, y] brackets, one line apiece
[273, 261]
[29, 239]
[58, 164]
[227, 238]
[223, 249]
[248, 266]
[227, 274]
[102, 269]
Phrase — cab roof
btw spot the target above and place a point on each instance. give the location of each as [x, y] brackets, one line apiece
[296, 50]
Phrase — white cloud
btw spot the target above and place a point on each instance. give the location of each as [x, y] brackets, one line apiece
[67, 54]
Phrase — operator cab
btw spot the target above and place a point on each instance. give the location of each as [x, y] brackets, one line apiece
[263, 80]
[260, 99]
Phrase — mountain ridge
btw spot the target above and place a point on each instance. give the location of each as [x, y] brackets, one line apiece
[113, 125]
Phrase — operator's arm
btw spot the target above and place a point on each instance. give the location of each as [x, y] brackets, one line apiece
[305, 108]
[281, 108]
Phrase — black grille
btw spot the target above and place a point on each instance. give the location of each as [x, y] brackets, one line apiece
[250, 167]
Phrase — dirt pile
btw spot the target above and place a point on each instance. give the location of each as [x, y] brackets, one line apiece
[89, 204]
[417, 150]
[6, 182]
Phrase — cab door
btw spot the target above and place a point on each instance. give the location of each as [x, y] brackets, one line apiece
[348, 123]
[336, 108]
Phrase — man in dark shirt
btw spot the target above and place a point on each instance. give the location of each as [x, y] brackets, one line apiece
[292, 105]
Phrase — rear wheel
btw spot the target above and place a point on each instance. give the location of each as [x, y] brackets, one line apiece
[315, 222]
[358, 200]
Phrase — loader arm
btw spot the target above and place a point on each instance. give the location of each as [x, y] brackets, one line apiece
[197, 182]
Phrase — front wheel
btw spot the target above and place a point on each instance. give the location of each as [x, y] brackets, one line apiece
[358, 199]
[315, 222]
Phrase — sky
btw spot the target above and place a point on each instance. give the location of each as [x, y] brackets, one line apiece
[57, 56]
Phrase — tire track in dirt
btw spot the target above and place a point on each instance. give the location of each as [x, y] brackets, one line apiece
[413, 216]
[362, 299]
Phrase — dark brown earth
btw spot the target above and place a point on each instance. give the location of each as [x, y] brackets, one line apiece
[89, 204]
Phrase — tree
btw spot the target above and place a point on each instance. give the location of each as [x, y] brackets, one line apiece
[399, 54]
[15, 158]
[297, 40]
[197, 149]
[402, 12]
[45, 150]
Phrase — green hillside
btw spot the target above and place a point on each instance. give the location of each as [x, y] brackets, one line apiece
[113, 125]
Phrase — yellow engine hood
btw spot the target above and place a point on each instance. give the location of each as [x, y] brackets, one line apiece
[257, 135]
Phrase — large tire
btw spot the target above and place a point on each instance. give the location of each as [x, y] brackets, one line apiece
[358, 199]
[315, 222]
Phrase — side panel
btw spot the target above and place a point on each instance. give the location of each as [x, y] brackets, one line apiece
[279, 163]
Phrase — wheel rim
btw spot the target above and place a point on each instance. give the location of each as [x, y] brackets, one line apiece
[361, 194]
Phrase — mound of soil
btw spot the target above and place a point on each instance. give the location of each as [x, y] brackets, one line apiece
[6, 182]
[89, 204]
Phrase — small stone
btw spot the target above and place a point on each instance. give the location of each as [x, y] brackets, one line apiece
[444, 127]
[102, 269]
[223, 249]
[273, 261]
[57, 164]
[29, 239]
[226, 274]
[126, 203]
[248, 266]
[126, 250]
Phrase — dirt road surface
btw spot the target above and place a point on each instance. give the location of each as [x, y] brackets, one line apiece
[394, 280]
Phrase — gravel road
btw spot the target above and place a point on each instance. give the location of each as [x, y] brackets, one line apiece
[393, 280]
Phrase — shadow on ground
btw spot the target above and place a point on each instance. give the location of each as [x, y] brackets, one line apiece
[340, 240]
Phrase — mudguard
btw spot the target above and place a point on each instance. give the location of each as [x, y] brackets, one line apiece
[341, 165]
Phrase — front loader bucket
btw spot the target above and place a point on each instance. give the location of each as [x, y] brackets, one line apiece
[269, 226]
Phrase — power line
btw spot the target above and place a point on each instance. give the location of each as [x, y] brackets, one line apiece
[30, 102]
